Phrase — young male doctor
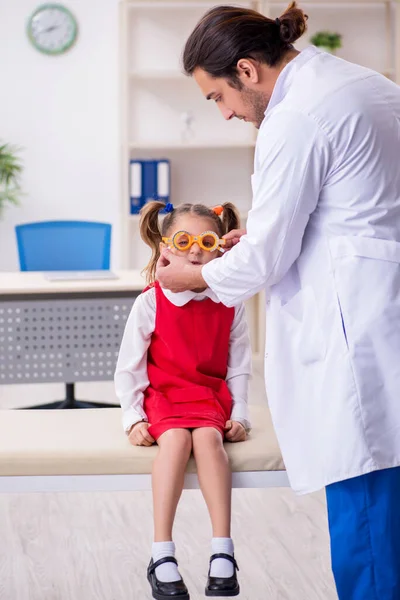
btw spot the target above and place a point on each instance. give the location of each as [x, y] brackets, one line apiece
[323, 239]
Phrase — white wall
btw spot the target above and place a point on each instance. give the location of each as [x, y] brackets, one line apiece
[63, 112]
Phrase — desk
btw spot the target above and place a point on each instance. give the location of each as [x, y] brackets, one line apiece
[62, 331]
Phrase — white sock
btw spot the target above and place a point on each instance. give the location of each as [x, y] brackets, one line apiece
[166, 572]
[221, 567]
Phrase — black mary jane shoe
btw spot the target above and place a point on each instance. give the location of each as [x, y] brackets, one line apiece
[223, 586]
[166, 590]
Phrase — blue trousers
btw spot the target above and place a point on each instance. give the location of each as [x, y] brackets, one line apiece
[364, 524]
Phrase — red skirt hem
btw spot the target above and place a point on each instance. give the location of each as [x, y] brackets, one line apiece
[164, 425]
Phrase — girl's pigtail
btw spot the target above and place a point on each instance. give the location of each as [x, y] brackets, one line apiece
[151, 235]
[230, 217]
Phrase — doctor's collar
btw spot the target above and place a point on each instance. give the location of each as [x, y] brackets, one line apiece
[287, 74]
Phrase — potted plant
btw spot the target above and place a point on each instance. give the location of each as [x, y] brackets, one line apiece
[10, 171]
[327, 40]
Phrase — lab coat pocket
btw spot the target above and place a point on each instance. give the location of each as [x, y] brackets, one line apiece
[300, 319]
[367, 280]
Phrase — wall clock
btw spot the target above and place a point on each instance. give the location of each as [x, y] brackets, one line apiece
[52, 29]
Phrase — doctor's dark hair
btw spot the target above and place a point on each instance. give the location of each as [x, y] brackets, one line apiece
[226, 34]
[152, 230]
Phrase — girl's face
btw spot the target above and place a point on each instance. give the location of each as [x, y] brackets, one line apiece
[193, 225]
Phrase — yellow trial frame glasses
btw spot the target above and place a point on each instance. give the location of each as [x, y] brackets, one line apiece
[208, 241]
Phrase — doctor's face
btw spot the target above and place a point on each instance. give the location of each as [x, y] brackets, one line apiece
[245, 104]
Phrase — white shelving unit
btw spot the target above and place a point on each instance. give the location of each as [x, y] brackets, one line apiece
[214, 163]
[367, 27]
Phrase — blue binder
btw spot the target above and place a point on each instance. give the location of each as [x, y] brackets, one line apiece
[149, 180]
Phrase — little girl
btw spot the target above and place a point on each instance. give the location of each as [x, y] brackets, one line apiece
[182, 378]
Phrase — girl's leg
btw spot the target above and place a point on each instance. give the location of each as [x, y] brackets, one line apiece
[215, 480]
[215, 477]
[175, 446]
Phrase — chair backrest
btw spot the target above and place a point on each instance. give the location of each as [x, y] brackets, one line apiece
[64, 246]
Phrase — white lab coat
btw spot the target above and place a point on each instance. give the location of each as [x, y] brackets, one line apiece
[323, 238]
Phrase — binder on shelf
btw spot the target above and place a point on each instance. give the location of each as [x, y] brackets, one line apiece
[149, 180]
[163, 180]
[135, 185]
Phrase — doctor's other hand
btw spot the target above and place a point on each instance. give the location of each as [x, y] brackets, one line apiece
[139, 436]
[235, 432]
[233, 237]
[176, 274]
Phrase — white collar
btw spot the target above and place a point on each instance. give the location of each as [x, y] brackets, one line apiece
[287, 75]
[182, 298]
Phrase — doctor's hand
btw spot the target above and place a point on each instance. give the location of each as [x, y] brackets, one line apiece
[176, 274]
[139, 436]
[235, 432]
[233, 237]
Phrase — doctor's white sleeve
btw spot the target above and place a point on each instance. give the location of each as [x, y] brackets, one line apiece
[131, 378]
[293, 156]
[239, 367]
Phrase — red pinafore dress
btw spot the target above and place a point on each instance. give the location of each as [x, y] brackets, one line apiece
[187, 363]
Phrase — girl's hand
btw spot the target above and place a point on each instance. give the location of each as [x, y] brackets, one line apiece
[139, 436]
[233, 237]
[235, 432]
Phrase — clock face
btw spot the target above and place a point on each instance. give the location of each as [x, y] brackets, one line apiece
[52, 29]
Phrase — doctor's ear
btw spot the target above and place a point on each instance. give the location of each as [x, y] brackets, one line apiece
[248, 71]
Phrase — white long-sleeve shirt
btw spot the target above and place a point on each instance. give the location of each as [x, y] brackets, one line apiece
[131, 378]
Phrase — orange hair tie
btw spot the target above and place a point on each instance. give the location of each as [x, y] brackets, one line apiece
[218, 210]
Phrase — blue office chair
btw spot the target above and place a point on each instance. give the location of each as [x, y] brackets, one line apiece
[65, 246]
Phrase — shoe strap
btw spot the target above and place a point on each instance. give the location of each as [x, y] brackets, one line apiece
[227, 557]
[161, 561]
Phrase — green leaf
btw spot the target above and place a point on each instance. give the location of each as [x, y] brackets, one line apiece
[10, 172]
[328, 39]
